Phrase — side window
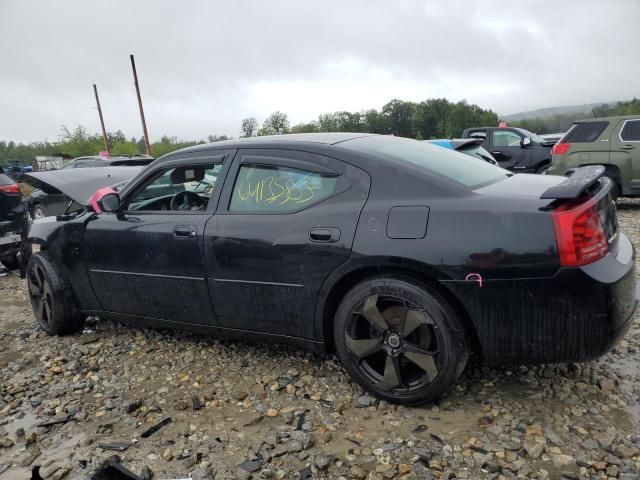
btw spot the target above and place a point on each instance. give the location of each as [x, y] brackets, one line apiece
[506, 138]
[478, 134]
[181, 188]
[631, 131]
[586, 132]
[278, 189]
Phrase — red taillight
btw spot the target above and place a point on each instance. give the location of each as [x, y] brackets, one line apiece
[11, 188]
[560, 148]
[579, 232]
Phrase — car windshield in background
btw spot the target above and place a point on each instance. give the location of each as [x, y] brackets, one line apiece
[534, 137]
[458, 167]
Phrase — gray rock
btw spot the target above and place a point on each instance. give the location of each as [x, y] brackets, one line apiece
[322, 462]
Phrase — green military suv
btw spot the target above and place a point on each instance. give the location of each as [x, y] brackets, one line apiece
[613, 142]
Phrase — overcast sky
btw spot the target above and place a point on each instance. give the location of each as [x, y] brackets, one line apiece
[205, 65]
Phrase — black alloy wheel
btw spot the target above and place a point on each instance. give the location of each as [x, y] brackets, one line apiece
[41, 296]
[50, 296]
[400, 340]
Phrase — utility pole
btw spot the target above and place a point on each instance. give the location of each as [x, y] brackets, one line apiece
[104, 132]
[144, 123]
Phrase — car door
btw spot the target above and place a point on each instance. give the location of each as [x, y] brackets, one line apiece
[148, 260]
[625, 149]
[506, 148]
[285, 221]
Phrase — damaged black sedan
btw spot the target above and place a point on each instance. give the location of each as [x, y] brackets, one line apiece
[402, 257]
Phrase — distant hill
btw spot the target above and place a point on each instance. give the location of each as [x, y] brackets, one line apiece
[550, 111]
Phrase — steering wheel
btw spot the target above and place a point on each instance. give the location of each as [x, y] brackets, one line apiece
[186, 201]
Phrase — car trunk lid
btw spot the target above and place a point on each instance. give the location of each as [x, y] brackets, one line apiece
[581, 207]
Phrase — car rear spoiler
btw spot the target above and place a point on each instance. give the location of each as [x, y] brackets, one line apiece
[578, 182]
[462, 143]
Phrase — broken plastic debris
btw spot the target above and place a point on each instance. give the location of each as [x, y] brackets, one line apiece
[151, 430]
[117, 446]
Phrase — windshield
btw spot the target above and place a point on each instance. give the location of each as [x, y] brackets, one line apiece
[456, 166]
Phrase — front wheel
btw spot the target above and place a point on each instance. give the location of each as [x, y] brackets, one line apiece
[400, 340]
[50, 296]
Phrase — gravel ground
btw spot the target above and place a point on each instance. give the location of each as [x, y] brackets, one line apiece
[252, 411]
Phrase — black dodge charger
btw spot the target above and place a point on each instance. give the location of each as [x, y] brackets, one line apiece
[400, 256]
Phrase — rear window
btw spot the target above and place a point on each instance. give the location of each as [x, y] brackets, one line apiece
[585, 132]
[456, 166]
[631, 131]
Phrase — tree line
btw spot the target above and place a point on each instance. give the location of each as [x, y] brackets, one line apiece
[432, 118]
[561, 122]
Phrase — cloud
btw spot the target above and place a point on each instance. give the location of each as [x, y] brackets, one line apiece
[204, 66]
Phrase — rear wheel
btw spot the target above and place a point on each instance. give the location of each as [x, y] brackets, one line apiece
[542, 169]
[400, 340]
[615, 188]
[51, 298]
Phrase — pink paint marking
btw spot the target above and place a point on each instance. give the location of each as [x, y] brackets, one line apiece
[97, 196]
[474, 277]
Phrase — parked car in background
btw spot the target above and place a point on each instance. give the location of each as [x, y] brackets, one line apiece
[515, 149]
[113, 161]
[613, 142]
[401, 256]
[13, 171]
[552, 137]
[13, 220]
[468, 146]
[48, 203]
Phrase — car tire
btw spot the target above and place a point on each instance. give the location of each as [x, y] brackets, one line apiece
[39, 212]
[400, 340]
[542, 169]
[615, 188]
[10, 261]
[51, 297]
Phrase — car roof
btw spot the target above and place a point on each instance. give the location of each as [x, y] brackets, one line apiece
[609, 119]
[331, 138]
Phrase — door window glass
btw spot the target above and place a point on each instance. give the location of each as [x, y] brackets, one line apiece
[180, 188]
[277, 189]
[585, 132]
[506, 138]
[631, 131]
[478, 134]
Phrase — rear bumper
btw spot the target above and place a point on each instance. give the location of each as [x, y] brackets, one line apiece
[577, 315]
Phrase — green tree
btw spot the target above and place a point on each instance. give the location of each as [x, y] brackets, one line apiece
[276, 124]
[400, 114]
[248, 127]
[311, 127]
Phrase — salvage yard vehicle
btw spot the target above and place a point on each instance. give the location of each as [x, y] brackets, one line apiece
[515, 149]
[402, 257]
[613, 142]
[13, 220]
[468, 146]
